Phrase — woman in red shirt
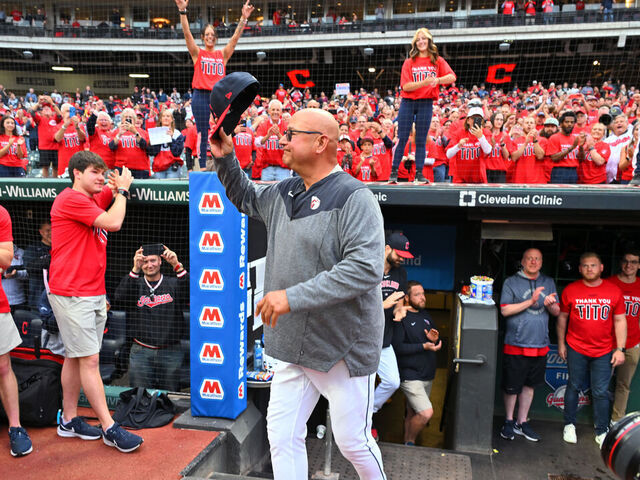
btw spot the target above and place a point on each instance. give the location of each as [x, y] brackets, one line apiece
[12, 149]
[190, 144]
[498, 158]
[422, 74]
[166, 156]
[209, 67]
[130, 145]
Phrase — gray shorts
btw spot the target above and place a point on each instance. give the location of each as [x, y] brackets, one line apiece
[417, 393]
[9, 335]
[81, 321]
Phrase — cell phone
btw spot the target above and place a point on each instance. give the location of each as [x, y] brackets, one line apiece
[477, 121]
[153, 249]
[72, 112]
[128, 120]
[333, 111]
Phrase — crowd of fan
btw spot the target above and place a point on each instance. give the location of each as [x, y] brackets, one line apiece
[537, 134]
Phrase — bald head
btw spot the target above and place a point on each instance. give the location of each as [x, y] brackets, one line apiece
[319, 120]
[532, 262]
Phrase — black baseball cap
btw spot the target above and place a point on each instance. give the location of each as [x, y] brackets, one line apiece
[229, 99]
[400, 244]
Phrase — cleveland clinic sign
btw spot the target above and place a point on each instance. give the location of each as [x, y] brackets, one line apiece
[471, 198]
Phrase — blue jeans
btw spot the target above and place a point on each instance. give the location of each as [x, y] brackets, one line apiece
[564, 175]
[440, 173]
[168, 173]
[275, 174]
[597, 371]
[12, 171]
[201, 112]
[155, 368]
[418, 112]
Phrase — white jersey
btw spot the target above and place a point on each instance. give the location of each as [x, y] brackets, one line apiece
[616, 144]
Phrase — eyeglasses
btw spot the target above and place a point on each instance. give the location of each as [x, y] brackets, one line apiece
[631, 262]
[290, 132]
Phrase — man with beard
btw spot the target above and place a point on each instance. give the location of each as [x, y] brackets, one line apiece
[562, 149]
[527, 299]
[592, 335]
[415, 342]
[394, 284]
[155, 303]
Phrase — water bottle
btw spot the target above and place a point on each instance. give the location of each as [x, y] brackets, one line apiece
[257, 355]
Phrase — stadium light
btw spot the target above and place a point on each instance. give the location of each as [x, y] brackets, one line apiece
[261, 55]
[372, 69]
[27, 54]
[139, 75]
[58, 68]
[368, 51]
[504, 46]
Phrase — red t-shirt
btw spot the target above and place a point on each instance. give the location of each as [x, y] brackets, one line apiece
[191, 138]
[528, 169]
[559, 141]
[69, 145]
[281, 94]
[6, 235]
[589, 172]
[99, 144]
[208, 69]
[47, 128]
[384, 157]
[470, 159]
[10, 159]
[129, 154]
[495, 160]
[631, 294]
[78, 249]
[508, 7]
[591, 310]
[419, 68]
[366, 172]
[530, 8]
[243, 145]
[271, 149]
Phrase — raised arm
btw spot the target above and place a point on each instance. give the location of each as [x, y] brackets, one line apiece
[230, 47]
[188, 37]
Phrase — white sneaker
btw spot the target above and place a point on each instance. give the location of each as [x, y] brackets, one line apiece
[569, 434]
[600, 439]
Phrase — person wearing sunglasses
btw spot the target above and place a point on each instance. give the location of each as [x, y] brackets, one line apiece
[325, 259]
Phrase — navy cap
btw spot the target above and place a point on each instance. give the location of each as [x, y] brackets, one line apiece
[400, 244]
[229, 99]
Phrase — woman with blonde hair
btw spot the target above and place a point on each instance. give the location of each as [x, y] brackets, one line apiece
[422, 74]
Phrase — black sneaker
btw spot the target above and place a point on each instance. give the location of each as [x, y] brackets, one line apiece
[77, 427]
[506, 431]
[420, 178]
[526, 431]
[118, 437]
[393, 178]
[20, 442]
[635, 181]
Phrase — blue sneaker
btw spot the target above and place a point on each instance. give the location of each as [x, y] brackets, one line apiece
[77, 427]
[118, 437]
[526, 431]
[506, 431]
[20, 442]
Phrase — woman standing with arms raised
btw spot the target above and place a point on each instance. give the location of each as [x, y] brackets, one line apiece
[209, 66]
[422, 74]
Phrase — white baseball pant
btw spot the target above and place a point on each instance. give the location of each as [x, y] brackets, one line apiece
[389, 378]
[294, 393]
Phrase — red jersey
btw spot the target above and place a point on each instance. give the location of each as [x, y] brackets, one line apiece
[69, 145]
[559, 141]
[47, 128]
[78, 249]
[366, 172]
[508, 7]
[631, 295]
[243, 144]
[470, 159]
[419, 68]
[588, 171]
[191, 138]
[208, 69]
[281, 94]
[271, 149]
[384, 157]
[528, 169]
[99, 144]
[10, 159]
[129, 154]
[435, 150]
[591, 309]
[6, 235]
[495, 160]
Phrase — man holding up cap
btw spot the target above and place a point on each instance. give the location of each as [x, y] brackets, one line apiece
[394, 286]
[322, 308]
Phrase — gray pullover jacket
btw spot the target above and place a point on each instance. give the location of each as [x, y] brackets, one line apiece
[325, 247]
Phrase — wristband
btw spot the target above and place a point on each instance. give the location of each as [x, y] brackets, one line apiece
[178, 267]
[182, 12]
[621, 349]
[125, 193]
